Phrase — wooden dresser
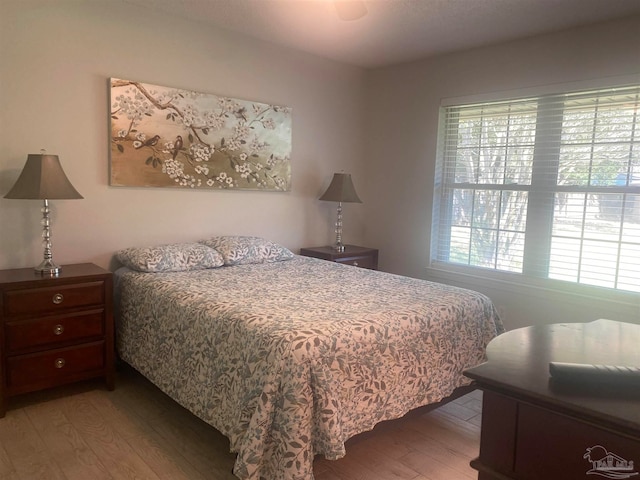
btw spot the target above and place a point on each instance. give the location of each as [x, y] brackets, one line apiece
[535, 428]
[353, 255]
[54, 330]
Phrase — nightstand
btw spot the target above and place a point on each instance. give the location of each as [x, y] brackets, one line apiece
[54, 330]
[357, 256]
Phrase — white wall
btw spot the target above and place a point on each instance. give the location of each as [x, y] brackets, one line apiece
[403, 103]
[380, 125]
[56, 58]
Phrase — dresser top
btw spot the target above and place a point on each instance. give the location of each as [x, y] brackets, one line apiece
[70, 272]
[349, 250]
[518, 365]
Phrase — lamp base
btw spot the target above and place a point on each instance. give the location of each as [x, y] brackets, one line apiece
[338, 247]
[48, 267]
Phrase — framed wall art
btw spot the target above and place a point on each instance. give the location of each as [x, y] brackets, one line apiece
[169, 137]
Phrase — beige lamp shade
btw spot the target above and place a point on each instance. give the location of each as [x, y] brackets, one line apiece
[341, 189]
[43, 178]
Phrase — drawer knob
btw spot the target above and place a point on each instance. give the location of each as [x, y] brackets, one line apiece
[58, 298]
[355, 263]
[59, 363]
[58, 329]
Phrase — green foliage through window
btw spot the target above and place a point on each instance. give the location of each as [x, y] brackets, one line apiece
[547, 187]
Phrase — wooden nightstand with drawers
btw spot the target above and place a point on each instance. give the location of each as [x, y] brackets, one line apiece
[357, 256]
[54, 330]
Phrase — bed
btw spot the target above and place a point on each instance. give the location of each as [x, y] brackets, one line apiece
[290, 356]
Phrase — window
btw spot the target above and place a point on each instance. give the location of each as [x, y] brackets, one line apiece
[546, 187]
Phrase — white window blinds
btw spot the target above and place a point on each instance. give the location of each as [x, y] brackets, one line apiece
[547, 187]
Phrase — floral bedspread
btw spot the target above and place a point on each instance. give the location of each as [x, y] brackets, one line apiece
[291, 359]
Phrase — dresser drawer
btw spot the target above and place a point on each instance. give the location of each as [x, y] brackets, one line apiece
[50, 299]
[553, 446]
[352, 255]
[53, 365]
[44, 332]
[364, 261]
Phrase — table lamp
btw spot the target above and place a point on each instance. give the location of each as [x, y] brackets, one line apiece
[340, 190]
[42, 178]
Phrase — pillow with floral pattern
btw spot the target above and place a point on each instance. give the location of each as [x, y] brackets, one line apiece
[175, 257]
[242, 250]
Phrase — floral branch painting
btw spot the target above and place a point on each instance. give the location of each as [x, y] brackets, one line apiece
[167, 137]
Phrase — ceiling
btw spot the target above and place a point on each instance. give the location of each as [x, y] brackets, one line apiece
[393, 31]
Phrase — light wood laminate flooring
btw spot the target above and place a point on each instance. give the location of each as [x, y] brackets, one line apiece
[84, 432]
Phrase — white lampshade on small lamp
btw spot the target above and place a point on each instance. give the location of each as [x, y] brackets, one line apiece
[42, 178]
[340, 190]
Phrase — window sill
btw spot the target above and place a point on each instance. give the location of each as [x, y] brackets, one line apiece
[545, 289]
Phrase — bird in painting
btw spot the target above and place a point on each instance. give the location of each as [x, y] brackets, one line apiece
[177, 146]
[149, 142]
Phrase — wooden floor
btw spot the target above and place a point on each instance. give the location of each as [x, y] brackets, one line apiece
[84, 432]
